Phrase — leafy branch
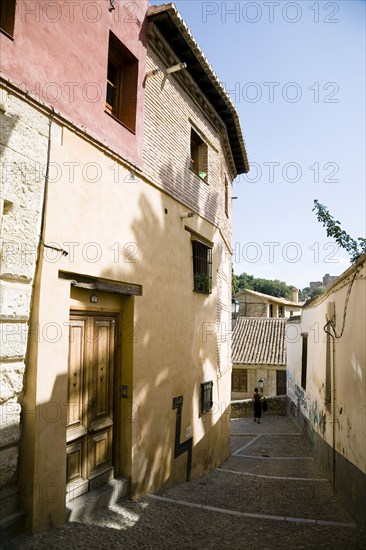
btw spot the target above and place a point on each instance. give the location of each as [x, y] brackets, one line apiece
[354, 247]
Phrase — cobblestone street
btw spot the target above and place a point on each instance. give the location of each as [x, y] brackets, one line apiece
[268, 494]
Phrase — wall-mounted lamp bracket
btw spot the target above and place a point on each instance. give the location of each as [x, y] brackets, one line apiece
[153, 72]
[176, 68]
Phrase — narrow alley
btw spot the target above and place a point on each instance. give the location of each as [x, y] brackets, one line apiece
[270, 494]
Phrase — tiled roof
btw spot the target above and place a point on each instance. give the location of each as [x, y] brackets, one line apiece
[269, 297]
[259, 341]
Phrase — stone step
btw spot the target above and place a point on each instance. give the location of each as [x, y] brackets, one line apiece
[10, 526]
[83, 506]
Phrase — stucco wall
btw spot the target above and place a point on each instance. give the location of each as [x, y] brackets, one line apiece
[347, 412]
[72, 77]
[24, 139]
[123, 229]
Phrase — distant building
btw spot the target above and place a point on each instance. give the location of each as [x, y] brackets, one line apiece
[258, 351]
[257, 304]
[327, 280]
[315, 284]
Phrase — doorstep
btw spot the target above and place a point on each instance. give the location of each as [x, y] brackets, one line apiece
[83, 506]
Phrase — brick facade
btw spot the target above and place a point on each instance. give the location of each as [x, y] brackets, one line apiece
[170, 113]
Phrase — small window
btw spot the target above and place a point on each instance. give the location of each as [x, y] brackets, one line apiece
[199, 156]
[202, 267]
[121, 99]
[206, 397]
[7, 16]
[271, 310]
[304, 360]
[280, 311]
[226, 198]
[239, 380]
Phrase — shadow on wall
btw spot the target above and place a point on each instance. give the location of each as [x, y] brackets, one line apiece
[7, 124]
[168, 365]
[191, 190]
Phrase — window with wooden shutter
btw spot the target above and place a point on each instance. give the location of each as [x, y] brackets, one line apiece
[239, 380]
[122, 75]
[7, 16]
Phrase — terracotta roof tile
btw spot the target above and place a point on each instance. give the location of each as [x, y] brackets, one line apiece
[259, 341]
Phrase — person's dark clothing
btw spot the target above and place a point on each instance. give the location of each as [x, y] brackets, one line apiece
[257, 406]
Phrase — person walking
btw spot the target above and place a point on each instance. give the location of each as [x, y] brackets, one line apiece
[257, 406]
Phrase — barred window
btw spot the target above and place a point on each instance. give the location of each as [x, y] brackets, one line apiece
[202, 267]
[239, 380]
[206, 397]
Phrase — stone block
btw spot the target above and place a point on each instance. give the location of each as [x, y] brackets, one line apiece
[8, 464]
[9, 417]
[8, 500]
[14, 299]
[9, 414]
[13, 339]
[11, 380]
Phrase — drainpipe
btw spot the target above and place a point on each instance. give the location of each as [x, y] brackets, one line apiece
[334, 413]
[332, 318]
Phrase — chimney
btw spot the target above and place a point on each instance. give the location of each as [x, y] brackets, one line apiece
[295, 295]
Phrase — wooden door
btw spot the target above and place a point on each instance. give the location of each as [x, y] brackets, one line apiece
[89, 433]
[281, 382]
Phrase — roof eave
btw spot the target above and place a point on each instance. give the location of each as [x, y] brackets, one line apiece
[167, 18]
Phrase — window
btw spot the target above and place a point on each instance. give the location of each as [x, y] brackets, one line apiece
[121, 100]
[202, 267]
[199, 156]
[280, 311]
[206, 397]
[7, 16]
[304, 360]
[226, 198]
[239, 380]
[271, 310]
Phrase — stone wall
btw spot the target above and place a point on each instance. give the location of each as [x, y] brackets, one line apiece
[244, 407]
[24, 142]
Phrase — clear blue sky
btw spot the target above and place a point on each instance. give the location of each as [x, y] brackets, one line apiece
[296, 74]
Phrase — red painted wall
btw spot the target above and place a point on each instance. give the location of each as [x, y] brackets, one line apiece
[59, 53]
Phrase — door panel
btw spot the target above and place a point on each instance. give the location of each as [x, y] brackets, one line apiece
[76, 382]
[281, 382]
[90, 407]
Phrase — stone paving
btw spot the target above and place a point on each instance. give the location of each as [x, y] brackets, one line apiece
[269, 494]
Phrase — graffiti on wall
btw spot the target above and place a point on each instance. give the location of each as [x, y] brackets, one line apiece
[302, 399]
